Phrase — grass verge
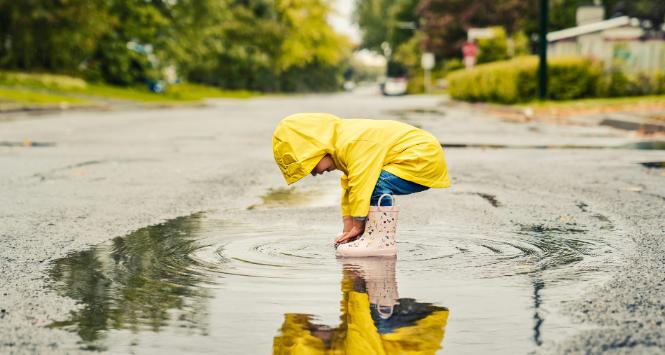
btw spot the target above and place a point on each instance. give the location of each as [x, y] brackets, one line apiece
[596, 106]
[43, 90]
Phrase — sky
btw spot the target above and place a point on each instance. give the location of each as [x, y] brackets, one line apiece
[342, 23]
[341, 19]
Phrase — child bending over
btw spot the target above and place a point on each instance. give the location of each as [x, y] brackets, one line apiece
[376, 158]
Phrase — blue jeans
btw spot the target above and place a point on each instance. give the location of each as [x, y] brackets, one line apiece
[393, 185]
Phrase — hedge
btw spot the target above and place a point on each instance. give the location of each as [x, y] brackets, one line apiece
[515, 80]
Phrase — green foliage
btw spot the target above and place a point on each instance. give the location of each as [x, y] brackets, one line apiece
[520, 44]
[452, 65]
[50, 36]
[266, 45]
[385, 21]
[563, 13]
[515, 80]
[409, 53]
[270, 46]
[394, 23]
[493, 49]
[659, 80]
[652, 10]
[618, 84]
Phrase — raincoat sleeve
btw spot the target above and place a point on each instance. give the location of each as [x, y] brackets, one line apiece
[344, 183]
[365, 161]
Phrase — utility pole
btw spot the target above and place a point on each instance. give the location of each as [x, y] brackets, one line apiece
[542, 50]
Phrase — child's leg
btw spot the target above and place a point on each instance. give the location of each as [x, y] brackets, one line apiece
[393, 185]
[379, 236]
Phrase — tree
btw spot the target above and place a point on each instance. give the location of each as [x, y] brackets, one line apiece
[55, 36]
[651, 10]
[446, 22]
[390, 21]
[265, 45]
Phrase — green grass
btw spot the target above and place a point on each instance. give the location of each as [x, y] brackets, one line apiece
[653, 103]
[23, 96]
[39, 89]
[178, 93]
[597, 102]
[41, 81]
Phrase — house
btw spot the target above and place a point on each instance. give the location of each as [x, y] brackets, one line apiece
[618, 42]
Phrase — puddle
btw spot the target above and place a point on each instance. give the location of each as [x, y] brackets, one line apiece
[373, 317]
[282, 197]
[145, 281]
[26, 143]
[416, 111]
[654, 164]
[198, 284]
[644, 145]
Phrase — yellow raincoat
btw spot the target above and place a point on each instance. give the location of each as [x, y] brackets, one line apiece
[360, 148]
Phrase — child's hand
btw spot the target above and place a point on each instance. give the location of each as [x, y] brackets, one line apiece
[356, 230]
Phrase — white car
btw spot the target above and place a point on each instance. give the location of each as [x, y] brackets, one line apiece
[349, 85]
[394, 86]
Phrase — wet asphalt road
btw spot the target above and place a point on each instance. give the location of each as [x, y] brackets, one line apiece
[102, 175]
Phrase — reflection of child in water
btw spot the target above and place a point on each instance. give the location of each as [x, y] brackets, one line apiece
[376, 157]
[373, 321]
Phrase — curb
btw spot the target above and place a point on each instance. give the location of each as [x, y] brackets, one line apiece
[631, 123]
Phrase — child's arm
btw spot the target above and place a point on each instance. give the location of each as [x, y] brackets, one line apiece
[365, 162]
[347, 219]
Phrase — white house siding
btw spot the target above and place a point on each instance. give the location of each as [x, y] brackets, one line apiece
[632, 55]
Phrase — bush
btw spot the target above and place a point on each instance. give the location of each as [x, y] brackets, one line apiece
[452, 65]
[494, 48]
[515, 80]
[659, 80]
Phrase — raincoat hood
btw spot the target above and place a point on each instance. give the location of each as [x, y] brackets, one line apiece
[300, 141]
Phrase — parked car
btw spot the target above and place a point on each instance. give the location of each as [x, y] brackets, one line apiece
[394, 86]
[349, 85]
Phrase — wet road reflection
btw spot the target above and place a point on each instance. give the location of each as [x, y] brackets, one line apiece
[201, 283]
[374, 319]
[143, 281]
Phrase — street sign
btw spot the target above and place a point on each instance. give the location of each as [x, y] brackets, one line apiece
[427, 61]
[479, 33]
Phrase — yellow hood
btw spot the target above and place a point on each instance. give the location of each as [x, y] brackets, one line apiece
[300, 141]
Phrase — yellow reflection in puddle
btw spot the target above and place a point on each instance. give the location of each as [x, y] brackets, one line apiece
[374, 319]
[282, 197]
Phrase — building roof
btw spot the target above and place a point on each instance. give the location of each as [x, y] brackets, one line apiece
[588, 28]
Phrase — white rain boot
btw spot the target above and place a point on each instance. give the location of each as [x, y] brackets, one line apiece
[379, 236]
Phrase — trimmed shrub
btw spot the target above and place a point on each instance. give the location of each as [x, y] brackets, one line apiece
[660, 83]
[515, 80]
[495, 48]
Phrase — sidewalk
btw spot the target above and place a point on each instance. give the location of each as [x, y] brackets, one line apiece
[645, 116]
